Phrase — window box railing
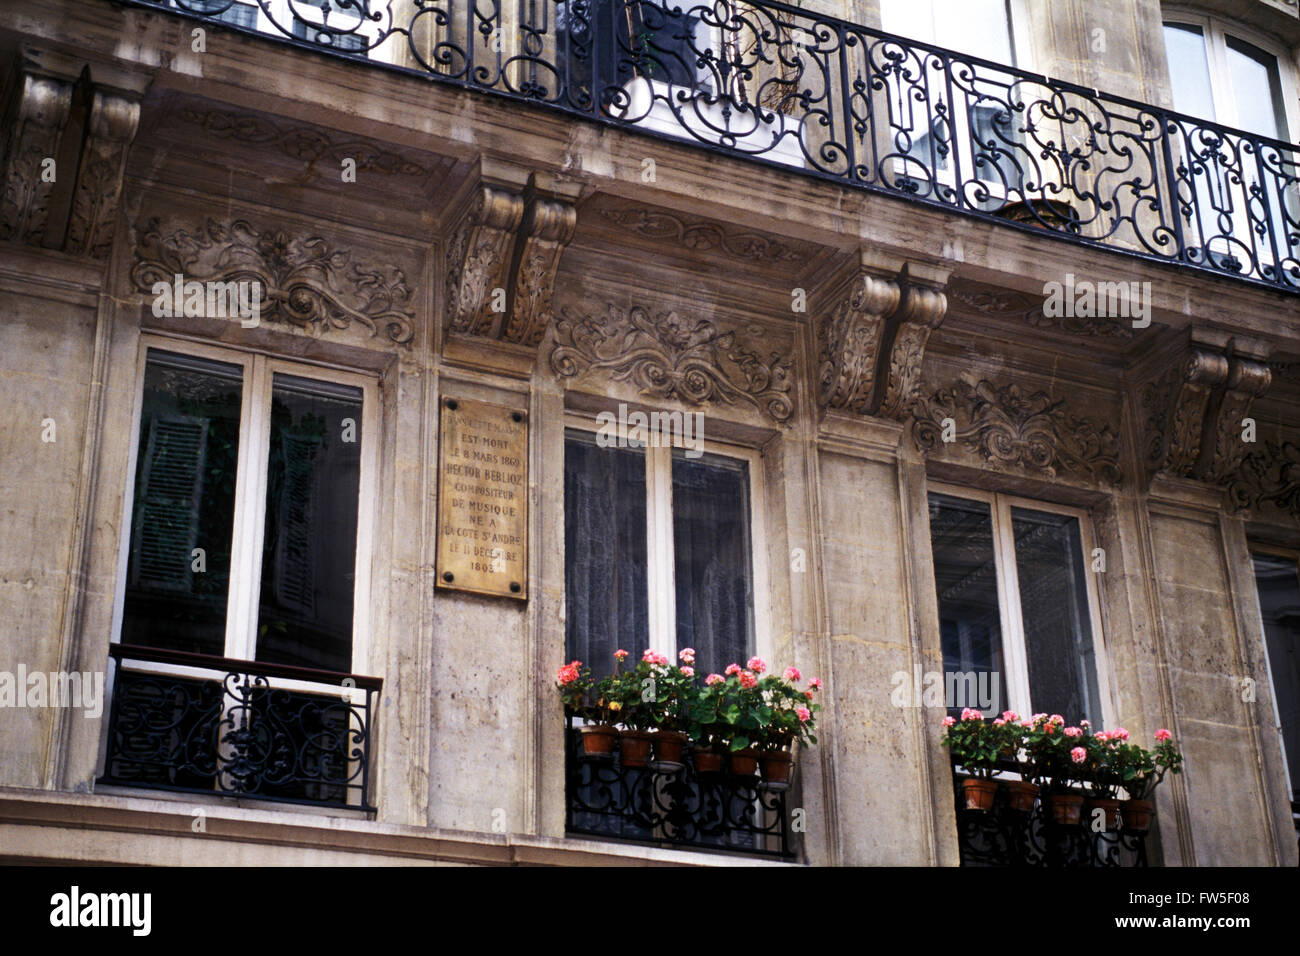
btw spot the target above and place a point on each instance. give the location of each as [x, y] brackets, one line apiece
[202, 724]
[833, 99]
[673, 808]
[1003, 836]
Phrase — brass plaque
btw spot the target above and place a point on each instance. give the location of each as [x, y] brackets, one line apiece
[483, 498]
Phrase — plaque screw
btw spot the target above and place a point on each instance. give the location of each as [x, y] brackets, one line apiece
[517, 416]
[514, 587]
[452, 404]
[448, 576]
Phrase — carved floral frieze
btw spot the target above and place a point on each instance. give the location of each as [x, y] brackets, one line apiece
[1269, 478]
[1030, 311]
[701, 236]
[307, 280]
[668, 356]
[1008, 425]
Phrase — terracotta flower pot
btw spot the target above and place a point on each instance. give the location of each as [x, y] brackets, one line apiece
[979, 792]
[1137, 815]
[1066, 807]
[598, 740]
[707, 760]
[1110, 807]
[634, 748]
[668, 749]
[775, 767]
[1021, 795]
[744, 763]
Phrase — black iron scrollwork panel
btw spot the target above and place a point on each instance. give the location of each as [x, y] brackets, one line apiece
[682, 807]
[832, 99]
[239, 734]
[1002, 836]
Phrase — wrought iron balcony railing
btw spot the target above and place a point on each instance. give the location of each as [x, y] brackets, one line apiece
[848, 103]
[1005, 836]
[680, 807]
[201, 724]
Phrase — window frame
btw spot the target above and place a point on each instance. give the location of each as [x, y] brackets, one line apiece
[1010, 615]
[1293, 555]
[259, 368]
[661, 590]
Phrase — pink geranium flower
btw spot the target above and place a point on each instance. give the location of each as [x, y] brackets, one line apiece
[569, 673]
[620, 655]
[1010, 715]
[653, 657]
[748, 680]
[714, 679]
[732, 669]
[998, 722]
[804, 714]
[756, 664]
[1119, 733]
[815, 684]
[686, 655]
[688, 670]
[1162, 735]
[1073, 731]
[949, 720]
[970, 713]
[1078, 755]
[792, 674]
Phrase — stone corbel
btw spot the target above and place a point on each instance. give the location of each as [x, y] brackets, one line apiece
[84, 118]
[502, 261]
[873, 343]
[1198, 432]
[36, 118]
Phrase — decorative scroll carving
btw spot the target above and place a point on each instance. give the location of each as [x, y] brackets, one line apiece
[35, 122]
[512, 243]
[850, 344]
[1202, 371]
[667, 356]
[922, 312]
[306, 281]
[1006, 426]
[701, 236]
[478, 258]
[1269, 476]
[112, 126]
[1030, 310]
[307, 143]
[1247, 380]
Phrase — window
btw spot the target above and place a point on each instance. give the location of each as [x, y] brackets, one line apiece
[227, 11]
[342, 26]
[246, 520]
[248, 546]
[1017, 608]
[976, 134]
[1277, 577]
[660, 553]
[1218, 76]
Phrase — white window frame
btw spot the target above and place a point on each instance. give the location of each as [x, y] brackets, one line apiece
[1294, 557]
[246, 556]
[1014, 654]
[661, 589]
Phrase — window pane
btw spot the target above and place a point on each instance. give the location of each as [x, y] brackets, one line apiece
[1189, 71]
[711, 544]
[979, 27]
[1279, 601]
[184, 500]
[1256, 89]
[1057, 621]
[309, 549]
[604, 552]
[970, 625]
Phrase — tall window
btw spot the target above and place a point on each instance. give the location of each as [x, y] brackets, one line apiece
[1017, 610]
[1218, 76]
[659, 552]
[1277, 577]
[981, 28]
[246, 524]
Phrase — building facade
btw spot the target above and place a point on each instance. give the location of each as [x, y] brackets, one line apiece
[975, 330]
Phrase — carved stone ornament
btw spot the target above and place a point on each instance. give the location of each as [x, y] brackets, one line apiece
[501, 265]
[1030, 311]
[34, 125]
[1194, 413]
[306, 281]
[1269, 476]
[907, 335]
[112, 126]
[1006, 425]
[701, 236]
[668, 356]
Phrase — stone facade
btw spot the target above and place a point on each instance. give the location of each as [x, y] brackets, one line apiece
[214, 163]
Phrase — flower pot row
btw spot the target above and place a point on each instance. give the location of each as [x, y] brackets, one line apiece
[1066, 808]
[664, 750]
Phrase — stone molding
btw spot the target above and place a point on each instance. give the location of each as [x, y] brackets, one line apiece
[669, 357]
[700, 236]
[307, 280]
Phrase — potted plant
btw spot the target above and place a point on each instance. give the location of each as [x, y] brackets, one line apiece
[1057, 760]
[707, 728]
[1103, 765]
[745, 716]
[582, 699]
[1142, 771]
[977, 746]
[793, 720]
[1022, 793]
[631, 694]
[672, 687]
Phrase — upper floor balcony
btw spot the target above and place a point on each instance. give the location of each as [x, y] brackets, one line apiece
[846, 103]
